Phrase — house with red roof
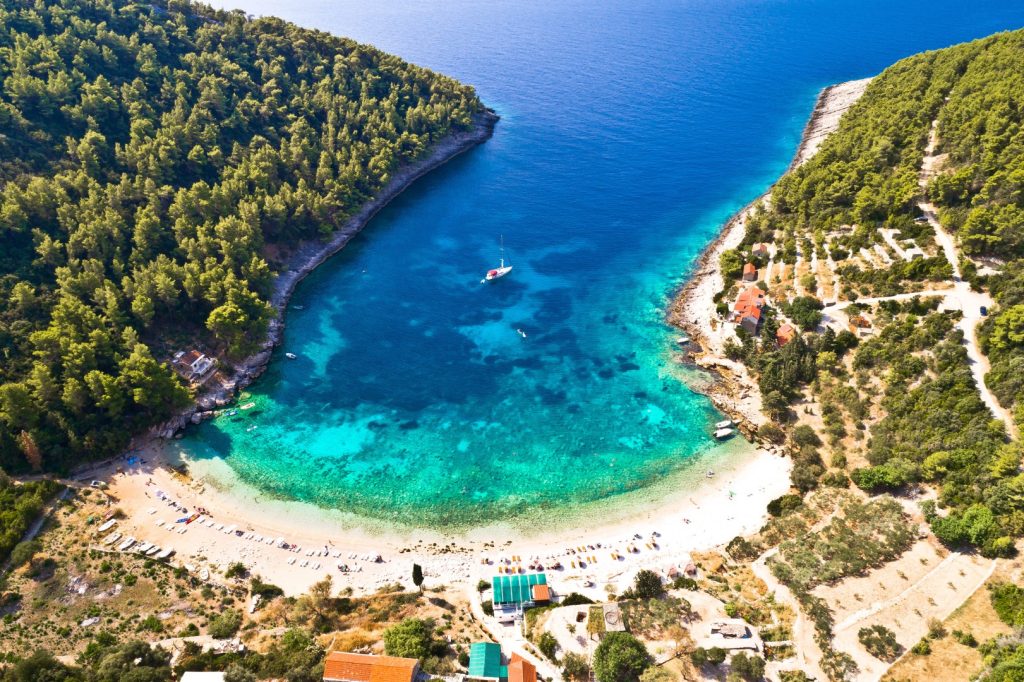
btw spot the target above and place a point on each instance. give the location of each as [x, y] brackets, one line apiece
[749, 272]
[747, 310]
[343, 666]
[785, 334]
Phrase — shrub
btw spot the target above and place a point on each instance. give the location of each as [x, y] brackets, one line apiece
[236, 570]
[575, 599]
[488, 607]
[151, 624]
[482, 585]
[794, 676]
[24, 551]
[965, 638]
[225, 625]
[880, 642]
[575, 667]
[771, 433]
[747, 667]
[548, 645]
[265, 590]
[658, 674]
[684, 583]
[740, 548]
[781, 506]
[922, 648]
[236, 673]
[412, 638]
[647, 585]
[1008, 602]
[804, 435]
[620, 657]
[894, 474]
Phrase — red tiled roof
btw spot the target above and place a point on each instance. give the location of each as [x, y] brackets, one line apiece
[521, 670]
[749, 268]
[860, 321]
[749, 303]
[190, 357]
[349, 667]
[785, 334]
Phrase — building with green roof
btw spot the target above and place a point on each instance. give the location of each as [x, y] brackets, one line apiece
[517, 590]
[485, 661]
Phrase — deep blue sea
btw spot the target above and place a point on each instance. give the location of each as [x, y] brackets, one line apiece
[631, 129]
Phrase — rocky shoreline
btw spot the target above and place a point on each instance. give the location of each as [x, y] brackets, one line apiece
[732, 390]
[308, 256]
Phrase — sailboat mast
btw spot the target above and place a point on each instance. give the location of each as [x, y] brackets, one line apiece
[502, 237]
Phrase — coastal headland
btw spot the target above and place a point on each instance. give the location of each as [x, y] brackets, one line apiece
[307, 256]
[735, 392]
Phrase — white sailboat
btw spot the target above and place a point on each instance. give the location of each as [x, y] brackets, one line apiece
[502, 269]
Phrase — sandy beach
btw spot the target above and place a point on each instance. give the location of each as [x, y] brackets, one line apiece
[662, 525]
[735, 392]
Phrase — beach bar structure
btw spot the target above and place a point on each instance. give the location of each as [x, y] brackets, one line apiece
[342, 666]
[485, 662]
[514, 591]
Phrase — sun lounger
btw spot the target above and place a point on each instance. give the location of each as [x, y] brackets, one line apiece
[316, 566]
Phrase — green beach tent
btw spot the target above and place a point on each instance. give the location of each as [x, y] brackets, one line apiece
[485, 661]
[515, 589]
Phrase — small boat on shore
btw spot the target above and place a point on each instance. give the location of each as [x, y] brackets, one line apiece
[501, 270]
[683, 340]
[248, 406]
[723, 433]
[724, 424]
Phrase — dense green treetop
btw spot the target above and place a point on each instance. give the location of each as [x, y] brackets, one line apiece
[157, 161]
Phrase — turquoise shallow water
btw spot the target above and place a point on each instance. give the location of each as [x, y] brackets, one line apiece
[630, 131]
